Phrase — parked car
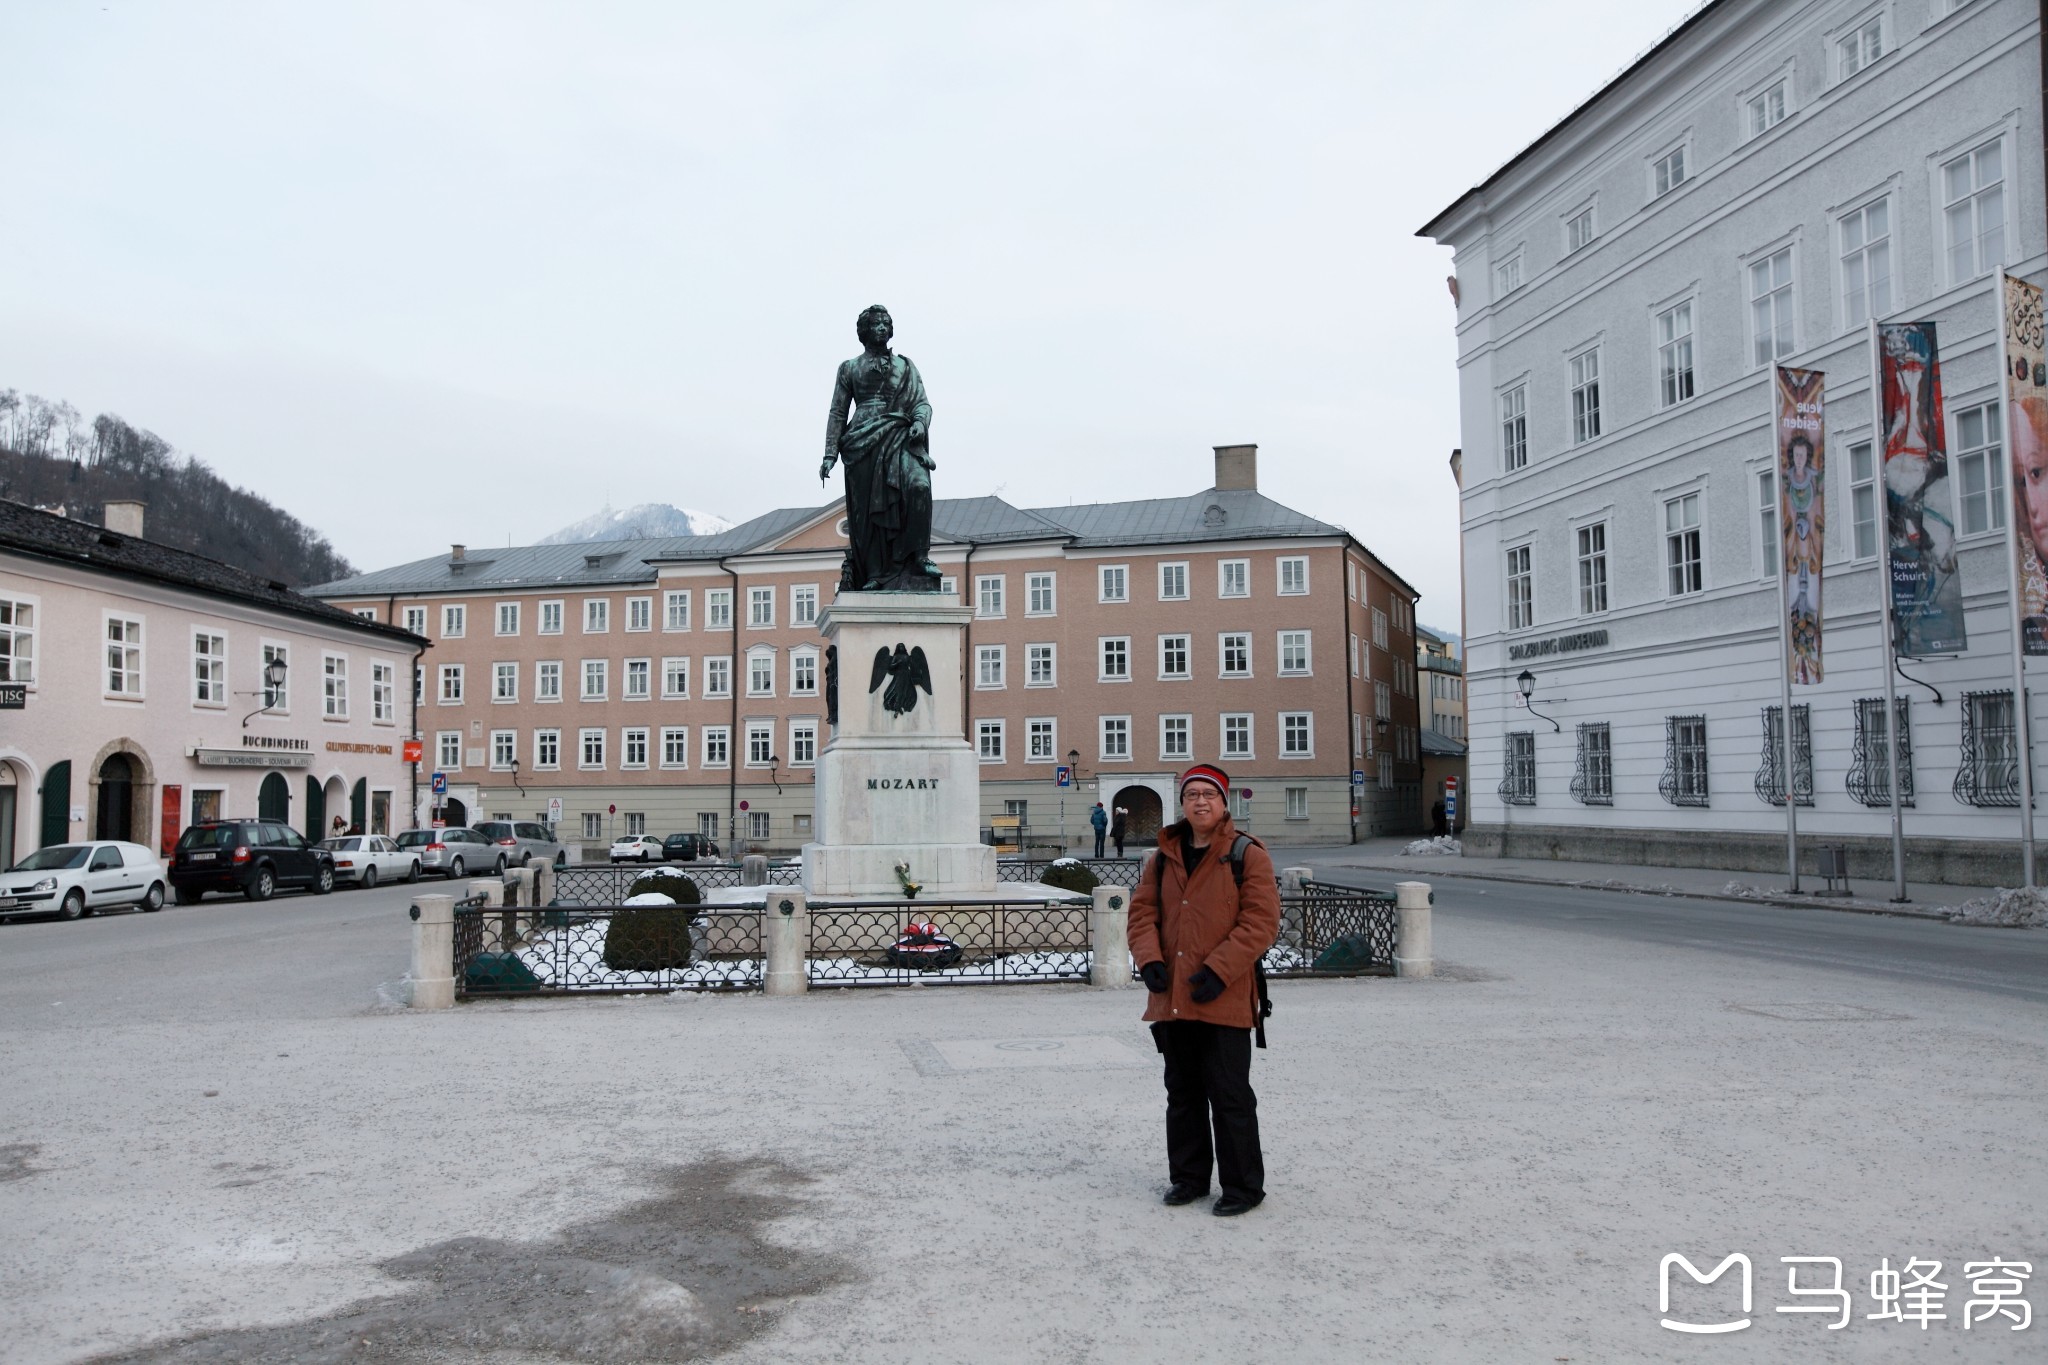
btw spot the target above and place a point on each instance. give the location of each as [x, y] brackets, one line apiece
[688, 848]
[254, 857]
[367, 859]
[71, 879]
[526, 841]
[636, 848]
[458, 851]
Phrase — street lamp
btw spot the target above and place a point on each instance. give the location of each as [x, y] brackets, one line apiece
[273, 688]
[774, 762]
[515, 777]
[1073, 780]
[1525, 682]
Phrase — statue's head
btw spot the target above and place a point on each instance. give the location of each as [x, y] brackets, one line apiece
[875, 326]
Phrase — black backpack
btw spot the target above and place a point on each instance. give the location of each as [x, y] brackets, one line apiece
[1264, 1009]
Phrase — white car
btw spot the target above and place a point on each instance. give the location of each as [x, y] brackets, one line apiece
[636, 848]
[367, 859]
[70, 879]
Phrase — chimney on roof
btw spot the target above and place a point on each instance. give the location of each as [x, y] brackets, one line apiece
[1237, 469]
[456, 553]
[124, 517]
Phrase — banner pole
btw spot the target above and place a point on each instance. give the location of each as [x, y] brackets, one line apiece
[2015, 514]
[1884, 596]
[1776, 395]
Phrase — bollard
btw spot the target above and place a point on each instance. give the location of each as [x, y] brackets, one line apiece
[1411, 935]
[492, 889]
[543, 884]
[1109, 921]
[1291, 879]
[754, 870]
[433, 952]
[785, 940]
[519, 892]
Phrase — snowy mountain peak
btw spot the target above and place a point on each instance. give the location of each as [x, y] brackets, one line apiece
[648, 521]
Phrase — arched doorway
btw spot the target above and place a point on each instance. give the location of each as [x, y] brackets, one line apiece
[453, 813]
[1141, 826]
[274, 798]
[56, 804]
[115, 818]
[359, 806]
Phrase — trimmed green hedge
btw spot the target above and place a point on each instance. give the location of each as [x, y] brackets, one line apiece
[649, 938]
[1070, 877]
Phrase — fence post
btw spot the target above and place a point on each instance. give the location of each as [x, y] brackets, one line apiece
[754, 870]
[492, 889]
[785, 940]
[433, 952]
[1291, 879]
[1411, 935]
[543, 885]
[1108, 937]
[519, 892]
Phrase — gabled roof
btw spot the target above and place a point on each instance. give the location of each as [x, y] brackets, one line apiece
[987, 521]
[42, 535]
[1209, 515]
[589, 563]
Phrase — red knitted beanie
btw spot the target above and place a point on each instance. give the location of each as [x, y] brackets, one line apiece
[1205, 772]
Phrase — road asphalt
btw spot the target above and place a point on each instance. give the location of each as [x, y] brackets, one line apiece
[224, 1139]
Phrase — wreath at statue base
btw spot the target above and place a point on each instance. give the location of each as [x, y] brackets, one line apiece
[921, 947]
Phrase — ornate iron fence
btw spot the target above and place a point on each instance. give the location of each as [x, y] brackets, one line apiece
[606, 949]
[1108, 871]
[1334, 931]
[602, 885]
[1006, 941]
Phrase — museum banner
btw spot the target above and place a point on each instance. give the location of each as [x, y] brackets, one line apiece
[1802, 514]
[2026, 408]
[1926, 584]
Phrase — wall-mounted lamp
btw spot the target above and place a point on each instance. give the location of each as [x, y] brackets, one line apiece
[273, 689]
[774, 762]
[1525, 682]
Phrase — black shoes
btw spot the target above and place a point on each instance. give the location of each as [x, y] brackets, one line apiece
[1184, 1194]
[1231, 1205]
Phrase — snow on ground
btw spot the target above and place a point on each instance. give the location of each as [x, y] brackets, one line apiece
[2020, 908]
[1442, 844]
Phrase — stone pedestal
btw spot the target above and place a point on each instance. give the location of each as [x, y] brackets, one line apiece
[898, 788]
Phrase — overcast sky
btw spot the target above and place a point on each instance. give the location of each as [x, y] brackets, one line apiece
[426, 272]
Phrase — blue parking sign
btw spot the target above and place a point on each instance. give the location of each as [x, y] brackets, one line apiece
[1063, 776]
[440, 784]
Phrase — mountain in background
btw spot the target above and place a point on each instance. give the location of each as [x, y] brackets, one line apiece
[648, 521]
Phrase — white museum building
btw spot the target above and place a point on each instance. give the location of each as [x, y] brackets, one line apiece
[1753, 190]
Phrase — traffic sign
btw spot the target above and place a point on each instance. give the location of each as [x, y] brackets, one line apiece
[1358, 777]
[554, 810]
[413, 751]
[611, 810]
[1245, 792]
[440, 784]
[1063, 776]
[743, 805]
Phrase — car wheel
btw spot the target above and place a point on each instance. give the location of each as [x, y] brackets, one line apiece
[455, 869]
[74, 903]
[189, 895]
[368, 881]
[412, 874]
[263, 886]
[323, 882]
[499, 869]
[154, 901]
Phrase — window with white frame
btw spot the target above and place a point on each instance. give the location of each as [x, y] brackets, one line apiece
[759, 824]
[988, 740]
[1767, 108]
[1237, 735]
[1767, 518]
[1379, 628]
[454, 621]
[508, 618]
[1234, 654]
[1041, 739]
[1578, 230]
[803, 673]
[1585, 368]
[1173, 656]
[675, 610]
[1979, 463]
[717, 746]
[675, 746]
[1116, 658]
[1040, 666]
[760, 608]
[1297, 803]
[1521, 590]
[803, 604]
[1507, 276]
[590, 747]
[1668, 172]
[718, 676]
[760, 743]
[547, 680]
[1293, 576]
[450, 691]
[1176, 738]
[504, 682]
[639, 613]
[1357, 735]
[636, 820]
[639, 679]
[988, 595]
[383, 693]
[1383, 700]
[988, 666]
[760, 672]
[593, 824]
[633, 747]
[1173, 582]
[1674, 354]
[1234, 578]
[1113, 582]
[1294, 655]
[1973, 211]
[1770, 307]
[1297, 734]
[597, 615]
[416, 620]
[551, 618]
[1592, 568]
[718, 608]
[547, 749]
[448, 750]
[1039, 595]
[675, 678]
[279, 699]
[1862, 45]
[596, 679]
[949, 586]
[803, 743]
[1683, 573]
[504, 749]
[1863, 500]
[1866, 235]
[1116, 739]
[334, 686]
[209, 663]
[1514, 429]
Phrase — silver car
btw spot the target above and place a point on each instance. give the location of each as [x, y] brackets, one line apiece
[367, 859]
[455, 852]
[525, 841]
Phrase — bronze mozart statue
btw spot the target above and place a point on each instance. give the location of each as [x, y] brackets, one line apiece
[886, 450]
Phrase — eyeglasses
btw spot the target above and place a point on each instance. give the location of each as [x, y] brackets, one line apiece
[1202, 794]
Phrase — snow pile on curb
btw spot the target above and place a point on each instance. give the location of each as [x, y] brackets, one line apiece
[1441, 844]
[2022, 908]
[1745, 890]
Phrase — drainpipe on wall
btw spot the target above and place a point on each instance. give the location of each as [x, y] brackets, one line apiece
[412, 811]
[732, 729]
[967, 667]
[1354, 738]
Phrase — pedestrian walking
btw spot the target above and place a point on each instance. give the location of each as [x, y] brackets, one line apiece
[1197, 931]
[1101, 823]
[1118, 827]
[1436, 819]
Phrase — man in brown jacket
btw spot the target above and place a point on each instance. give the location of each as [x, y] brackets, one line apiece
[1196, 935]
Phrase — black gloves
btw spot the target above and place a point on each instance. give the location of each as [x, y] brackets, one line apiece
[1154, 976]
[1204, 986]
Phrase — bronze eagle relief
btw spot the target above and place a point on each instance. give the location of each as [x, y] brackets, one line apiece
[905, 671]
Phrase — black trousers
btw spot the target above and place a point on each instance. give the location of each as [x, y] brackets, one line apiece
[1098, 843]
[1212, 1117]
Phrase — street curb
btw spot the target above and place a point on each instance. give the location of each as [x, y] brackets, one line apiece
[1783, 902]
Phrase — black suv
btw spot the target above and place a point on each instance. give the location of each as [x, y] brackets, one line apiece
[254, 857]
[688, 848]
